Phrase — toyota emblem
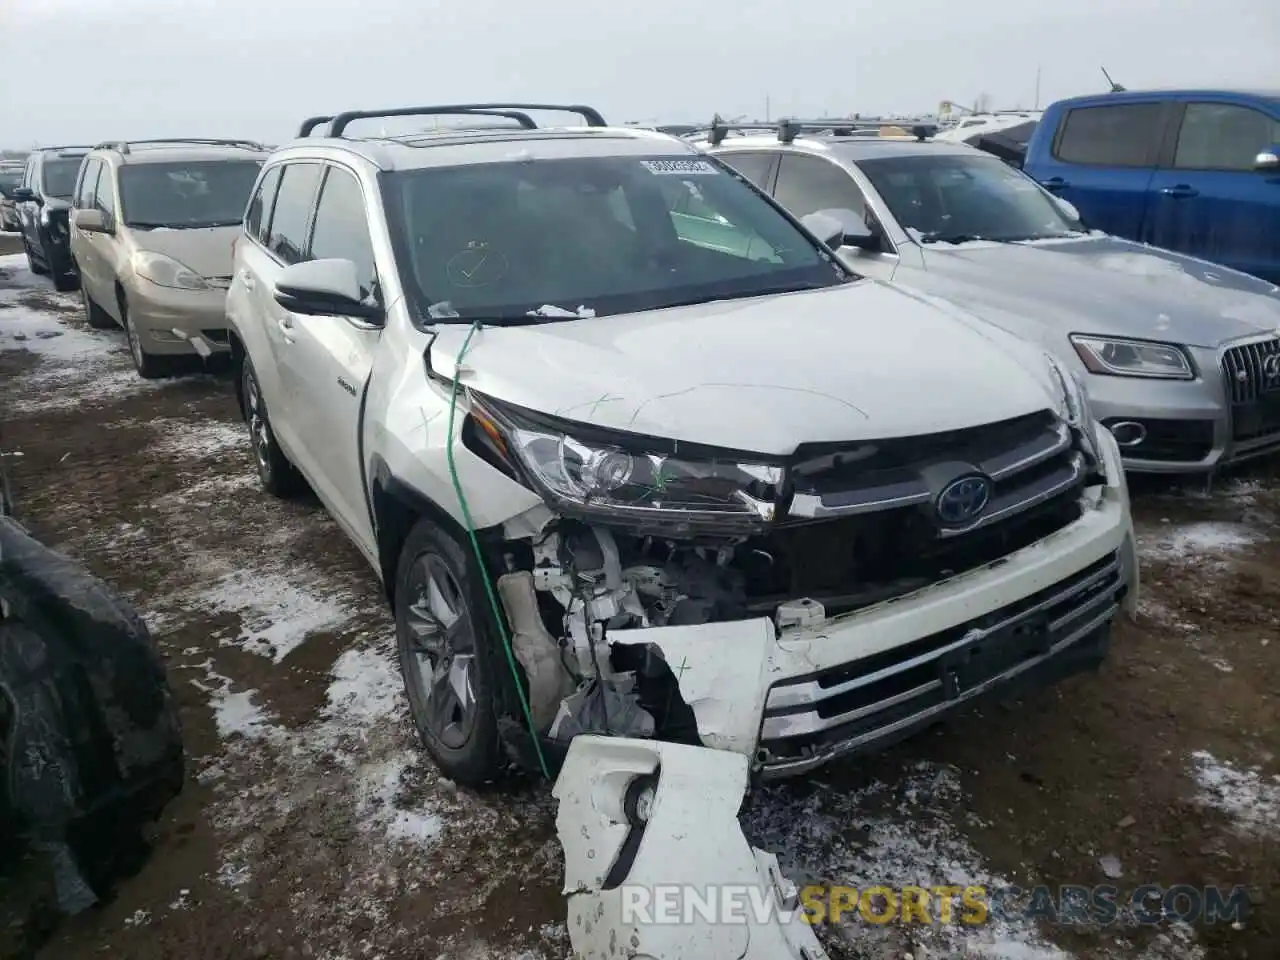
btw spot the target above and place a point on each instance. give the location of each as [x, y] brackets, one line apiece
[963, 500]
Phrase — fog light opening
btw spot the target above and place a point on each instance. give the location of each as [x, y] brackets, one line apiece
[1128, 433]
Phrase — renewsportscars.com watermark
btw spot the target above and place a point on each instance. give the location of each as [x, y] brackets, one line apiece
[1148, 904]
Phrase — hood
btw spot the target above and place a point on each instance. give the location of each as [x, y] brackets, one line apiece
[207, 251]
[850, 363]
[1105, 285]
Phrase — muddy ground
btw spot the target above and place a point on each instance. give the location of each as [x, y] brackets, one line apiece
[313, 827]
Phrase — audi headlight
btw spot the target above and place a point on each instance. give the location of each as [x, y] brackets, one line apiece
[1114, 357]
[167, 272]
[583, 470]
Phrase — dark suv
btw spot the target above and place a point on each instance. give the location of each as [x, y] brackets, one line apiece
[43, 202]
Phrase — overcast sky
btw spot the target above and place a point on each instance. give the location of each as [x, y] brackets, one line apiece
[81, 70]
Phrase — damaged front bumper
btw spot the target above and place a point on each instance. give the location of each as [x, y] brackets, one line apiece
[654, 852]
[796, 694]
[630, 810]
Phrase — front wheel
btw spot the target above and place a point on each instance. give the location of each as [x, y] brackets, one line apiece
[445, 641]
[148, 365]
[94, 315]
[277, 475]
[33, 264]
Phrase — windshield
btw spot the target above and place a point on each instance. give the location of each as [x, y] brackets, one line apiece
[9, 180]
[536, 239]
[209, 193]
[953, 198]
[59, 177]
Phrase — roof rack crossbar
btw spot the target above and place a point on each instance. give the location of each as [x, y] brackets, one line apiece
[123, 146]
[309, 124]
[342, 120]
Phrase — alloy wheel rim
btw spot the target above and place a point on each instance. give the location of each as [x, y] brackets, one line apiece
[442, 648]
[259, 432]
[135, 345]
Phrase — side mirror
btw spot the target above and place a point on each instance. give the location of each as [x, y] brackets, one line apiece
[325, 288]
[90, 221]
[840, 228]
[1268, 161]
[24, 195]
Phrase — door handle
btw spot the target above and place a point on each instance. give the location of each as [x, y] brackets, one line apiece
[286, 329]
[247, 279]
[1054, 184]
[1180, 190]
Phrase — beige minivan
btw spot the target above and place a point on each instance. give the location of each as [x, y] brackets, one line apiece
[152, 225]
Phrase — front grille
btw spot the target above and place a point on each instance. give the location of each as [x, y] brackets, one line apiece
[1251, 373]
[881, 697]
[862, 526]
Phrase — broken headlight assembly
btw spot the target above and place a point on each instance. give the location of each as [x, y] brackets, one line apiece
[1074, 409]
[583, 470]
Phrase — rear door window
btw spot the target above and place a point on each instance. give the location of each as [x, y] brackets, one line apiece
[1118, 135]
[287, 238]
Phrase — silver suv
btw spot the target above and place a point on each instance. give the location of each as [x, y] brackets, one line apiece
[151, 231]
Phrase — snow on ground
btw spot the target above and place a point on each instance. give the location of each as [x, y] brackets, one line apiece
[913, 839]
[79, 366]
[1248, 797]
[1204, 543]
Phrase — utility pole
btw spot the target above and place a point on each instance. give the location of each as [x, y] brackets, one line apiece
[767, 118]
[1037, 88]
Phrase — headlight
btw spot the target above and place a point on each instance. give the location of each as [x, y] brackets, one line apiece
[1132, 358]
[167, 272]
[620, 478]
[1074, 407]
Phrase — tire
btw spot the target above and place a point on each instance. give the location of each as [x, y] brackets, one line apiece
[33, 264]
[94, 315]
[463, 741]
[65, 282]
[148, 365]
[278, 476]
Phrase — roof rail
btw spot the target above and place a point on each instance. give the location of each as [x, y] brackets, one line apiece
[309, 125]
[123, 146]
[65, 146]
[788, 129]
[341, 121]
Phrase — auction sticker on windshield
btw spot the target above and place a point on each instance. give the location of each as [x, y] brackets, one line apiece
[679, 167]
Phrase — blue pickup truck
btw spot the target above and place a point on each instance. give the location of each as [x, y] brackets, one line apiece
[1197, 171]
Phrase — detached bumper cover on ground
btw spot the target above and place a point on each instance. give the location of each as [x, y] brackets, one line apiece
[639, 817]
[90, 747]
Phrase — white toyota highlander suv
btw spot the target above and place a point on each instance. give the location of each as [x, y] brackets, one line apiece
[635, 455]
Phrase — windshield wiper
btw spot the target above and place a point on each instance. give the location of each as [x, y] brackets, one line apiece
[956, 238]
